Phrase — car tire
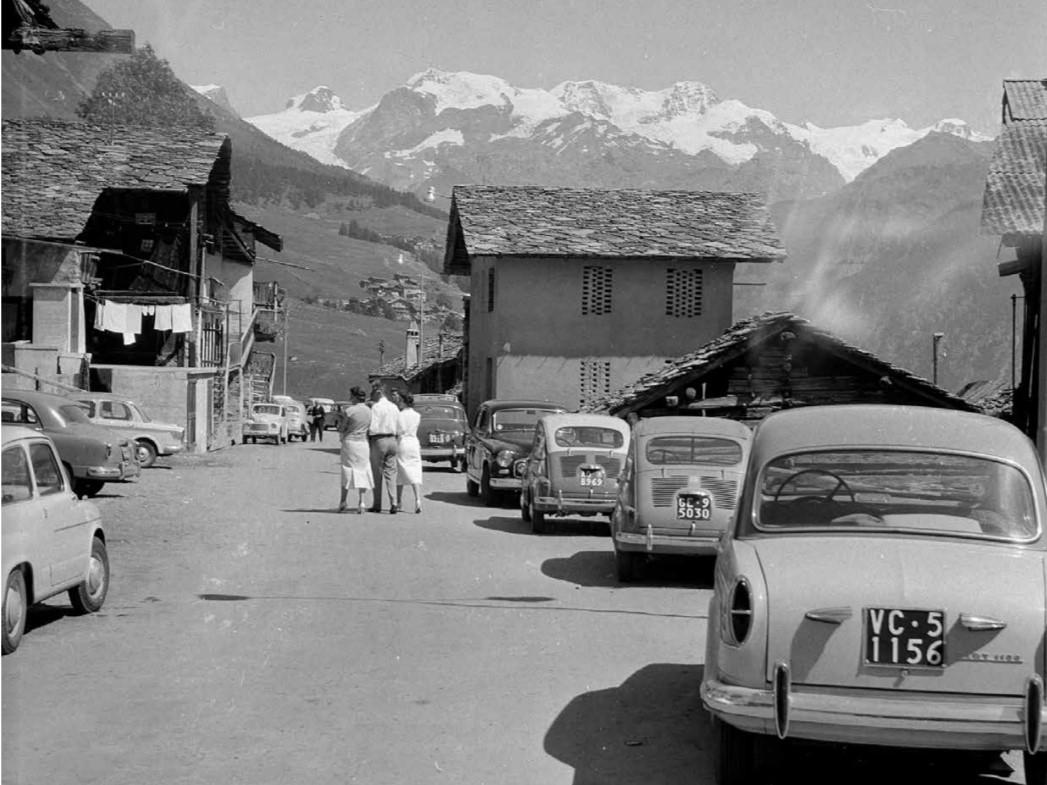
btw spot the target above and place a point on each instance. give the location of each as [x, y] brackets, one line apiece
[471, 488]
[458, 465]
[740, 757]
[488, 495]
[539, 523]
[89, 596]
[627, 565]
[84, 487]
[1035, 768]
[146, 453]
[16, 607]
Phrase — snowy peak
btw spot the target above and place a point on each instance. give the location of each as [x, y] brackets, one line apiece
[958, 128]
[320, 99]
[216, 94]
[461, 90]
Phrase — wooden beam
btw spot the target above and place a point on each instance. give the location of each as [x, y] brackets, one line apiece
[40, 40]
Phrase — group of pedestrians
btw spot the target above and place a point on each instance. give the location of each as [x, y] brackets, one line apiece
[379, 450]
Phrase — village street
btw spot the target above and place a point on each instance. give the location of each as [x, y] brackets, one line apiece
[252, 635]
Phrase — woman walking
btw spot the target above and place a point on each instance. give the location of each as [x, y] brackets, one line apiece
[408, 451]
[355, 454]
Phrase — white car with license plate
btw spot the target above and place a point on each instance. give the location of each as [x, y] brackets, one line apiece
[267, 421]
[882, 584]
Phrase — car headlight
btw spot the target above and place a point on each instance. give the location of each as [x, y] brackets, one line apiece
[519, 467]
[505, 458]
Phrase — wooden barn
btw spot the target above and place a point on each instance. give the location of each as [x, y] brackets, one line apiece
[771, 362]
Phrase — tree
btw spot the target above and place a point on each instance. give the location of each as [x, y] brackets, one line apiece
[143, 90]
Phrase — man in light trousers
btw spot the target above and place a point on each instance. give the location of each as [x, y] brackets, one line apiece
[382, 439]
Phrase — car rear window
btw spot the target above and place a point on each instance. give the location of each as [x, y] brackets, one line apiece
[438, 412]
[896, 490]
[267, 409]
[588, 436]
[689, 448]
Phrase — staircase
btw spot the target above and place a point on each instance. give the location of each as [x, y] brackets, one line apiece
[258, 377]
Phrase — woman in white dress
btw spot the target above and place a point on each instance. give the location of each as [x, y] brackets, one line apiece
[408, 451]
[355, 453]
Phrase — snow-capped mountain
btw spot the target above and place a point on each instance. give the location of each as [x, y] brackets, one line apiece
[216, 94]
[441, 128]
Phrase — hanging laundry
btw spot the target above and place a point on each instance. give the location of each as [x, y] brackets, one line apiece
[162, 320]
[129, 338]
[133, 319]
[100, 315]
[115, 317]
[182, 318]
[148, 310]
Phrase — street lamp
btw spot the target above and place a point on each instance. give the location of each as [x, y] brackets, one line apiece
[937, 337]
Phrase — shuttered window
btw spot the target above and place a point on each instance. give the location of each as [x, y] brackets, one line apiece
[597, 287]
[490, 289]
[683, 293]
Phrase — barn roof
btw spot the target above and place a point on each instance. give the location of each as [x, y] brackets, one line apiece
[437, 350]
[532, 221]
[741, 338]
[1013, 201]
[53, 172]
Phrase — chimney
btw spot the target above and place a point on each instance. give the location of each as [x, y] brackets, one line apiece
[411, 347]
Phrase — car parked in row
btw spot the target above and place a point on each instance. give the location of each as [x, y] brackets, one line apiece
[679, 488]
[502, 432]
[92, 455]
[883, 583]
[121, 414]
[572, 468]
[297, 420]
[267, 421]
[441, 429]
[52, 541]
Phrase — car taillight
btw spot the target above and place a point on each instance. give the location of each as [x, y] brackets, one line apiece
[740, 612]
[108, 449]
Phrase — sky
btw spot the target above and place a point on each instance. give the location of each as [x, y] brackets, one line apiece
[830, 62]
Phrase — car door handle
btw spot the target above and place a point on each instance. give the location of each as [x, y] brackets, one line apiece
[830, 615]
[980, 623]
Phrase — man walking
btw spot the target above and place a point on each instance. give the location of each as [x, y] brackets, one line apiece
[316, 421]
[382, 438]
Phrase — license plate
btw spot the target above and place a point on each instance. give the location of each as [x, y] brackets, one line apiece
[906, 638]
[437, 438]
[590, 480]
[694, 507]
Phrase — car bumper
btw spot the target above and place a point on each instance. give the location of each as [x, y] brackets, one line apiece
[170, 449]
[441, 453]
[568, 505]
[506, 483]
[921, 720]
[127, 471]
[648, 542]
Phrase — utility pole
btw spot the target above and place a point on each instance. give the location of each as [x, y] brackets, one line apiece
[937, 337]
[287, 335]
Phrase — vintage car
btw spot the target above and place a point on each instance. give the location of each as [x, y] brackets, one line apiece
[678, 489]
[92, 454]
[297, 422]
[441, 429]
[882, 584]
[330, 410]
[267, 421]
[573, 467]
[502, 432]
[53, 541]
[123, 415]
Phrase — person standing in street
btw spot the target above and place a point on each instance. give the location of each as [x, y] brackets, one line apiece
[316, 421]
[408, 452]
[355, 453]
[382, 437]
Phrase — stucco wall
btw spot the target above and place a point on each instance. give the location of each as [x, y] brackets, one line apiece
[238, 279]
[537, 314]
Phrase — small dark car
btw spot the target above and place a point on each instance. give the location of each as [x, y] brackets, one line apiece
[502, 433]
[442, 429]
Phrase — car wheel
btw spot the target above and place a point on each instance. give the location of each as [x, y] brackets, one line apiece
[539, 523]
[740, 757]
[89, 595]
[16, 606]
[83, 487]
[146, 453]
[627, 565]
[471, 488]
[1035, 768]
[488, 495]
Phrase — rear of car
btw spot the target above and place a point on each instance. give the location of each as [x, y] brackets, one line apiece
[297, 422]
[441, 429]
[681, 487]
[885, 584]
[573, 467]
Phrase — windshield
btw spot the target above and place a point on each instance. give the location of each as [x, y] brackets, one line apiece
[896, 490]
[689, 449]
[517, 419]
[607, 438]
[438, 412]
[72, 412]
[267, 408]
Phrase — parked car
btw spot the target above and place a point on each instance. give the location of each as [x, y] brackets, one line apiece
[92, 455]
[502, 432]
[266, 421]
[679, 488]
[297, 421]
[441, 429]
[882, 583]
[330, 411]
[123, 415]
[52, 541]
[572, 468]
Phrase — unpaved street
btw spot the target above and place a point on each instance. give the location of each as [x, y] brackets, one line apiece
[252, 635]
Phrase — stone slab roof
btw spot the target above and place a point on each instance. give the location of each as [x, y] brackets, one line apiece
[451, 346]
[532, 221]
[1013, 200]
[52, 171]
[739, 339]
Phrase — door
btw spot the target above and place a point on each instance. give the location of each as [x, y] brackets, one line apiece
[66, 525]
[114, 414]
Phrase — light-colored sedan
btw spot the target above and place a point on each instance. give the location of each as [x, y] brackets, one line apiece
[53, 541]
[883, 584]
[121, 414]
[267, 421]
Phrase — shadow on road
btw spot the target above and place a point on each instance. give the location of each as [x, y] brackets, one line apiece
[43, 615]
[650, 729]
[461, 498]
[505, 524]
[332, 510]
[597, 568]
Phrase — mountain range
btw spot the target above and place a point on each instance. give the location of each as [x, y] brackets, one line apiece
[441, 128]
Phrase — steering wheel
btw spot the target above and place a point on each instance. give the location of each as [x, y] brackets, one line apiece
[828, 497]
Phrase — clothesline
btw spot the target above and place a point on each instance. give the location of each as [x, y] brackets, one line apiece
[126, 318]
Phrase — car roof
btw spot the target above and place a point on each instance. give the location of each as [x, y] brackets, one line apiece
[884, 425]
[576, 419]
[12, 433]
[511, 403]
[712, 426]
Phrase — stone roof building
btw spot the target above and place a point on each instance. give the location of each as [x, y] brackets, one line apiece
[578, 291]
